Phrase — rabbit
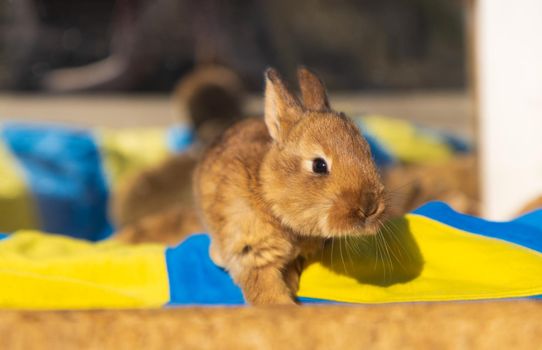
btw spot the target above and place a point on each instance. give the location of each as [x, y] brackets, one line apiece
[271, 191]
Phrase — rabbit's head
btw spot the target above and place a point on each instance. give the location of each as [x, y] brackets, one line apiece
[318, 177]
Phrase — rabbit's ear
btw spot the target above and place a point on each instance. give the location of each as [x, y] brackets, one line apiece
[313, 90]
[282, 108]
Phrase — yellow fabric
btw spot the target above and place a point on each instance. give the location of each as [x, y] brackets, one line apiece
[127, 151]
[405, 141]
[40, 271]
[423, 260]
[16, 207]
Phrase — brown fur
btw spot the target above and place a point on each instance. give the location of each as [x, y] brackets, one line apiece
[263, 205]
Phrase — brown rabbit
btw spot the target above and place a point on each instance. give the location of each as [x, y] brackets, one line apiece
[271, 192]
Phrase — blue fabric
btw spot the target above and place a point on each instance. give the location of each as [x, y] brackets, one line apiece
[3, 235]
[525, 230]
[195, 279]
[179, 137]
[64, 171]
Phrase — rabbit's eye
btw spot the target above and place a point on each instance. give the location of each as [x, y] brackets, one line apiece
[319, 166]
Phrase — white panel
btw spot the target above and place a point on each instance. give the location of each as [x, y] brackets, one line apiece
[509, 74]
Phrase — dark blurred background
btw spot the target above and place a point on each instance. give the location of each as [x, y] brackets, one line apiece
[147, 45]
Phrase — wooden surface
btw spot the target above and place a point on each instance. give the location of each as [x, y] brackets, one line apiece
[476, 325]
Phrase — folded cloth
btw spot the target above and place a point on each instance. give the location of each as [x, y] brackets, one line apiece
[432, 254]
[44, 271]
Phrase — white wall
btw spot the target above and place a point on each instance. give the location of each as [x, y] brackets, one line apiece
[508, 69]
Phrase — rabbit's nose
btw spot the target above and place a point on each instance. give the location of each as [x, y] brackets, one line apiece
[369, 205]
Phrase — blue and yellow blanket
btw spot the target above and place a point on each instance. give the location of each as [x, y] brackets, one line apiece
[431, 254]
